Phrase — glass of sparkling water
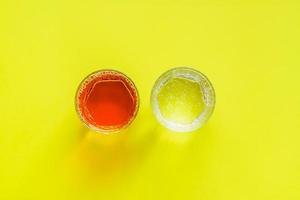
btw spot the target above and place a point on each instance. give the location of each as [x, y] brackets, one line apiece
[182, 99]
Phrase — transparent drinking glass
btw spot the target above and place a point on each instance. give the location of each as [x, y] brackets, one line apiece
[182, 99]
[107, 101]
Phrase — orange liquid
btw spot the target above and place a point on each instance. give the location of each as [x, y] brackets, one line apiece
[108, 101]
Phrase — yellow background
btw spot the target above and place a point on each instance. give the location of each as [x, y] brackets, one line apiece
[250, 148]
